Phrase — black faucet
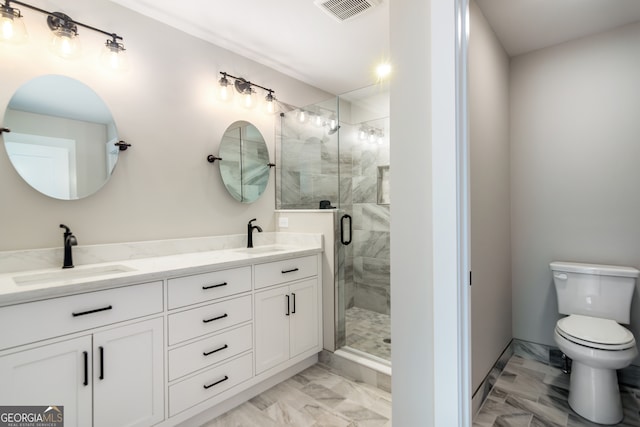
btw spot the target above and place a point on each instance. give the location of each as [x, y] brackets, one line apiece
[69, 240]
[250, 228]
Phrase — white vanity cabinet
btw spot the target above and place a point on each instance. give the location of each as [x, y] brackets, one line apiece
[287, 316]
[54, 374]
[187, 343]
[107, 375]
[206, 340]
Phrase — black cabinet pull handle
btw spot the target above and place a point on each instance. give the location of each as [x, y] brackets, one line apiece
[216, 383]
[101, 377]
[215, 318]
[204, 288]
[86, 368]
[294, 303]
[287, 297]
[290, 271]
[97, 310]
[208, 353]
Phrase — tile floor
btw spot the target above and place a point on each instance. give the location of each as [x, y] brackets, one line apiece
[532, 394]
[366, 331]
[315, 397]
[526, 394]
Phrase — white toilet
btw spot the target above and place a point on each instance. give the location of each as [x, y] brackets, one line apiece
[596, 299]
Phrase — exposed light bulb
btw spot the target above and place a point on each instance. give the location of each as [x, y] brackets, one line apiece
[247, 98]
[318, 121]
[302, 116]
[225, 91]
[114, 56]
[65, 43]
[270, 103]
[372, 136]
[333, 123]
[362, 134]
[12, 27]
[7, 28]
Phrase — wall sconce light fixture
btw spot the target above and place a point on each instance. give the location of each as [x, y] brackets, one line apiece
[65, 42]
[371, 134]
[319, 117]
[247, 91]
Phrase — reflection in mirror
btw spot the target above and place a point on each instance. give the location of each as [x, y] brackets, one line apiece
[62, 137]
[245, 162]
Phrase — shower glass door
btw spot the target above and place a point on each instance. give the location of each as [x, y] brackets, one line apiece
[337, 152]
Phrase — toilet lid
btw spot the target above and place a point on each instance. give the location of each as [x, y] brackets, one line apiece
[594, 331]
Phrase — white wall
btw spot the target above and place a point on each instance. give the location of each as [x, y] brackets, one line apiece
[163, 186]
[411, 245]
[575, 168]
[425, 317]
[490, 202]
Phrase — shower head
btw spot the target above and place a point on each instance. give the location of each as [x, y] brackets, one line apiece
[334, 130]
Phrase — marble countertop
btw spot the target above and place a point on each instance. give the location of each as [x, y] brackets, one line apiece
[36, 284]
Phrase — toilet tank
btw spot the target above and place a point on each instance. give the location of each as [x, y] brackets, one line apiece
[595, 290]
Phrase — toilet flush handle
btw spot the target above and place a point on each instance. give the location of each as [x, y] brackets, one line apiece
[560, 276]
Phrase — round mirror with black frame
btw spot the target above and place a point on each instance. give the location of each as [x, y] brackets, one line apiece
[244, 162]
[60, 137]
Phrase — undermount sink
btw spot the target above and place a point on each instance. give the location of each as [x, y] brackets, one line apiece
[70, 274]
[262, 249]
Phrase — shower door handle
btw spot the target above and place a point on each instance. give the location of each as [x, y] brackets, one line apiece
[342, 238]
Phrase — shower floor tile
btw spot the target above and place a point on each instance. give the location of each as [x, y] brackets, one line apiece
[367, 330]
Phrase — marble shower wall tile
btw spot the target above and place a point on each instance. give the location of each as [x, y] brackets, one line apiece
[372, 217]
[365, 189]
[372, 298]
[371, 244]
[374, 272]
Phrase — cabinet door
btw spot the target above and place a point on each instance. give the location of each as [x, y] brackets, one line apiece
[304, 316]
[52, 375]
[272, 315]
[128, 382]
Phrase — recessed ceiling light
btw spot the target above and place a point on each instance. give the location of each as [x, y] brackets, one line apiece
[383, 70]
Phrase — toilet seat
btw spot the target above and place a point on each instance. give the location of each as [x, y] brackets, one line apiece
[601, 334]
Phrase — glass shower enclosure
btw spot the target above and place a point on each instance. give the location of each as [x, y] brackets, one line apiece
[335, 154]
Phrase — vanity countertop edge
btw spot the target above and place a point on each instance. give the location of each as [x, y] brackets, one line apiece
[143, 270]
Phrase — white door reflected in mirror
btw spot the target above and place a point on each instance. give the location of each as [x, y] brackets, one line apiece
[47, 164]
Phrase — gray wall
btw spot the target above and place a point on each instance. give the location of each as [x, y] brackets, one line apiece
[164, 105]
[575, 171]
[489, 196]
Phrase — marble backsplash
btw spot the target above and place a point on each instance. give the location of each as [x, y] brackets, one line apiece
[13, 261]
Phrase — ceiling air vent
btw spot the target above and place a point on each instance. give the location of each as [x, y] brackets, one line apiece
[343, 10]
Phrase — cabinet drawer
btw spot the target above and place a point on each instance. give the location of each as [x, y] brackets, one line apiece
[208, 286]
[273, 273]
[212, 382]
[209, 351]
[210, 318]
[34, 321]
